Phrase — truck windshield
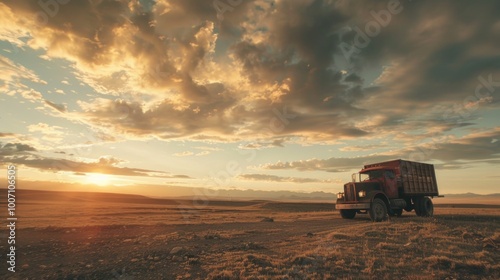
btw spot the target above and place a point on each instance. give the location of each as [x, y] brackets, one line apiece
[370, 175]
[364, 177]
[376, 174]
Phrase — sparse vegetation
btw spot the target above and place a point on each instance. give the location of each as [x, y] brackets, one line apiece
[219, 244]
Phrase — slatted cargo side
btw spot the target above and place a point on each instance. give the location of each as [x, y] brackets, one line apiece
[418, 178]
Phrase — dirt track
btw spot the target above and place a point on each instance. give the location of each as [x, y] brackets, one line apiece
[106, 251]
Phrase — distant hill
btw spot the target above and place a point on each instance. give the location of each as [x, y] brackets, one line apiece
[82, 192]
[466, 198]
[273, 195]
[465, 195]
[34, 196]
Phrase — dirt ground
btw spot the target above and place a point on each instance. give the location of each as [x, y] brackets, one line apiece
[169, 239]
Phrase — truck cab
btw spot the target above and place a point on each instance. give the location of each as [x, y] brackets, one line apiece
[386, 177]
[388, 188]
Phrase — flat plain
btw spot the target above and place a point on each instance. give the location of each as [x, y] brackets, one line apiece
[65, 235]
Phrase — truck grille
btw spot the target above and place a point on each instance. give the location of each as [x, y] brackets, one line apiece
[350, 193]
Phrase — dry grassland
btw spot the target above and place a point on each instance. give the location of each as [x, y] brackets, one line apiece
[168, 239]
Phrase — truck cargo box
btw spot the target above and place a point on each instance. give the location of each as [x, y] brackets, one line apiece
[414, 178]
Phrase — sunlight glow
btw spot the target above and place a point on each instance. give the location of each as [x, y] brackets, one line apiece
[98, 179]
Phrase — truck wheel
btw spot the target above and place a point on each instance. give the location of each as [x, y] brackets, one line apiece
[347, 214]
[417, 202]
[396, 212]
[409, 205]
[378, 210]
[427, 208]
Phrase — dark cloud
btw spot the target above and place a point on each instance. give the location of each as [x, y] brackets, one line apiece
[353, 78]
[179, 176]
[6, 134]
[299, 52]
[436, 50]
[480, 147]
[11, 149]
[475, 147]
[59, 107]
[164, 120]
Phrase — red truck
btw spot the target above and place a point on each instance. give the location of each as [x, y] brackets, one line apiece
[388, 188]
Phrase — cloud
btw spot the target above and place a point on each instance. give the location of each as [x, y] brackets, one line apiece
[329, 165]
[454, 152]
[205, 150]
[23, 154]
[6, 134]
[274, 178]
[438, 62]
[59, 107]
[13, 78]
[52, 133]
[178, 176]
[10, 149]
[183, 154]
[166, 119]
[355, 148]
[108, 160]
[243, 78]
[475, 147]
[261, 145]
[208, 148]
[58, 165]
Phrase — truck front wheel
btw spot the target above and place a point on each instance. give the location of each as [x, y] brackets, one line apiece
[378, 210]
[348, 214]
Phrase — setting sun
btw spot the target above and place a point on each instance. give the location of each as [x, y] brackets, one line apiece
[98, 179]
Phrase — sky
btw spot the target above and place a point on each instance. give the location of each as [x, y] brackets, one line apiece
[142, 96]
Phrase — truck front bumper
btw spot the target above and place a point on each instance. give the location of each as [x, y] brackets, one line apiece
[359, 206]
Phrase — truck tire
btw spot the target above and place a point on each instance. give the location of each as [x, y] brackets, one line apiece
[378, 210]
[426, 207]
[396, 212]
[348, 214]
[417, 202]
[409, 205]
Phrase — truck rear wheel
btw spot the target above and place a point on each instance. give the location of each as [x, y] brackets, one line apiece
[348, 214]
[426, 207]
[423, 206]
[417, 202]
[378, 210]
[409, 205]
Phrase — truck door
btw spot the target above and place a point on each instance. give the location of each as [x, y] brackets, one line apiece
[390, 185]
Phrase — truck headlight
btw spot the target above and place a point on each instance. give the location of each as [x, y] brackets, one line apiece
[362, 193]
[340, 195]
